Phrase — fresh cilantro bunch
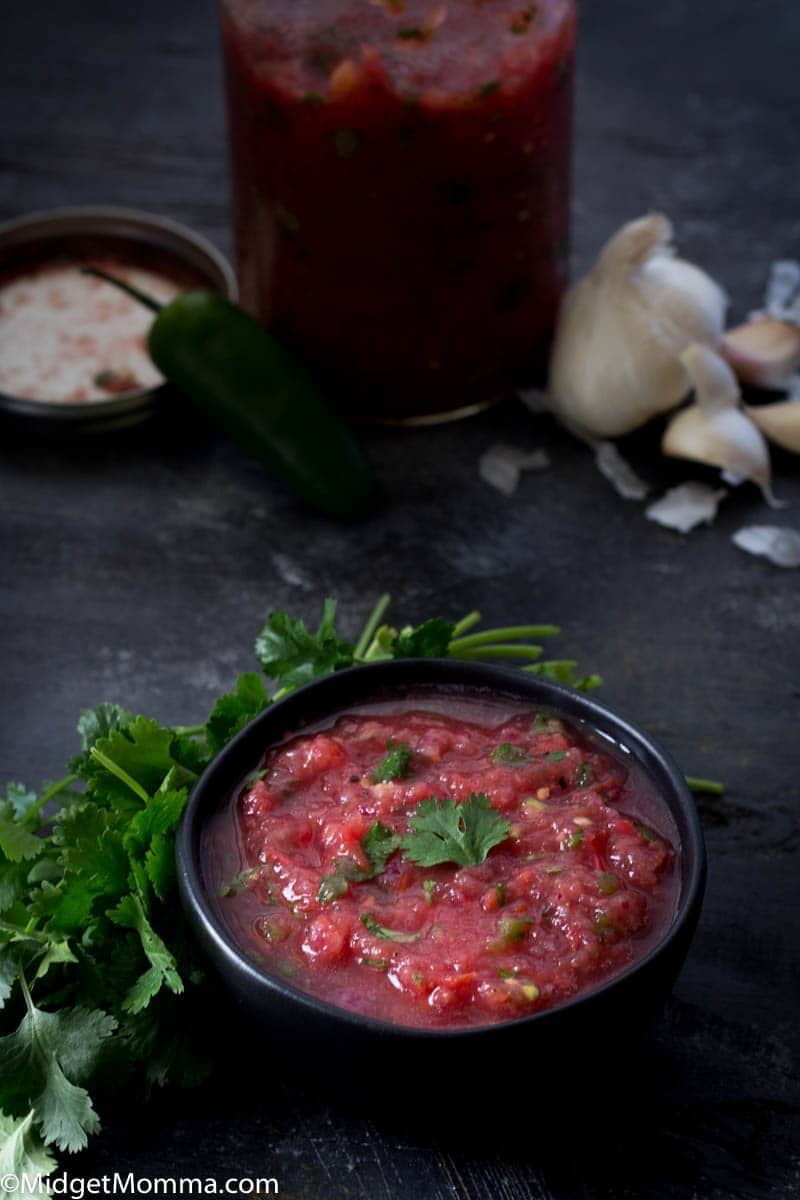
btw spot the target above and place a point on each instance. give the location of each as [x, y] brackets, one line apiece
[99, 976]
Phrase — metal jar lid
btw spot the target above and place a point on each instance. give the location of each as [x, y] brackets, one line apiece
[137, 238]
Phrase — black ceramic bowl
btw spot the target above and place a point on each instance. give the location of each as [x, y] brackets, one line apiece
[612, 1008]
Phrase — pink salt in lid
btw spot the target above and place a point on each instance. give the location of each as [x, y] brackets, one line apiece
[70, 350]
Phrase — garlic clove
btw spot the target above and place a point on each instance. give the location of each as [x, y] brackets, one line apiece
[616, 356]
[714, 429]
[765, 352]
[780, 422]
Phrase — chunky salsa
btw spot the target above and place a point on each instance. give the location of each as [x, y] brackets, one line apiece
[553, 872]
[401, 188]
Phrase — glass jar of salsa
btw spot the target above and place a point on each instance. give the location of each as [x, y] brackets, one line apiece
[401, 176]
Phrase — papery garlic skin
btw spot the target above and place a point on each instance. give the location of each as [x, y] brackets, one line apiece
[616, 358]
[780, 422]
[714, 430]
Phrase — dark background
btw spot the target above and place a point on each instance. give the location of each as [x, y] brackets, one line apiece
[138, 569]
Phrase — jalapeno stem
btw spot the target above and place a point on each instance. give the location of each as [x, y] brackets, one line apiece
[128, 288]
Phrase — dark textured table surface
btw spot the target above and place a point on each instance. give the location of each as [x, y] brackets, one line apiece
[138, 568]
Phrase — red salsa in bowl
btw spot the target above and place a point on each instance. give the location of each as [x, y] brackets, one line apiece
[401, 174]
[444, 861]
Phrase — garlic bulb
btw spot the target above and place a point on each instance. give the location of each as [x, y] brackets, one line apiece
[780, 422]
[765, 352]
[616, 359]
[714, 430]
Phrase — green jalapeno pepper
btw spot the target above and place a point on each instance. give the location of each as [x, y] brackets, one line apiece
[261, 395]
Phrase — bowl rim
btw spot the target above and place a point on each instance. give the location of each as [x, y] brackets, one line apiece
[427, 673]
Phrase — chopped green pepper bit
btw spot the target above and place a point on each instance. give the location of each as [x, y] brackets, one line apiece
[585, 774]
[607, 883]
[332, 887]
[647, 835]
[604, 925]
[574, 840]
[273, 932]
[513, 929]
[556, 755]
[508, 973]
[509, 755]
[429, 887]
[379, 964]
[240, 881]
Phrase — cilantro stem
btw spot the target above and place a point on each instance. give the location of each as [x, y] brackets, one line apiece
[188, 730]
[509, 634]
[120, 773]
[496, 651]
[23, 983]
[709, 787]
[49, 793]
[466, 623]
[373, 621]
[22, 932]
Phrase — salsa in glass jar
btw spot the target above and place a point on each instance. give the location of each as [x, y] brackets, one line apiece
[401, 174]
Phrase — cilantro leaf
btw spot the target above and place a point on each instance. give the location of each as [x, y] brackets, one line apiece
[17, 843]
[431, 639]
[20, 799]
[390, 935]
[395, 764]
[12, 883]
[562, 670]
[8, 976]
[293, 656]
[42, 1065]
[57, 952]
[443, 831]
[159, 816]
[235, 710]
[379, 844]
[96, 723]
[162, 971]
[21, 1153]
[89, 847]
[142, 751]
[159, 865]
